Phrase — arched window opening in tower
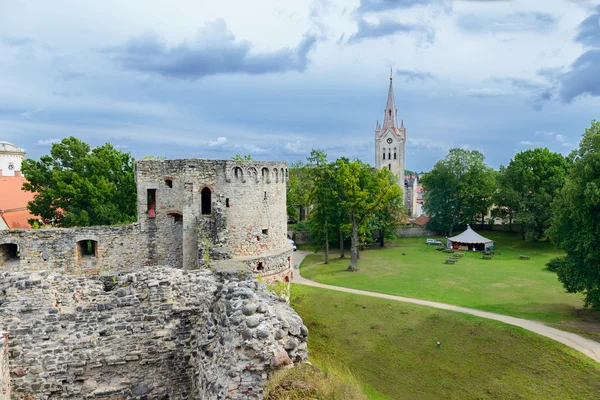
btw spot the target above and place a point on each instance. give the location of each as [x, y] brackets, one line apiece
[389, 154]
[390, 167]
[394, 153]
[384, 154]
[9, 252]
[206, 201]
[87, 248]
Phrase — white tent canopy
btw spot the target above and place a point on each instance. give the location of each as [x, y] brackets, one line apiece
[471, 237]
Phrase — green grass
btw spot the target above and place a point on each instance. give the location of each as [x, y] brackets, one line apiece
[505, 284]
[391, 348]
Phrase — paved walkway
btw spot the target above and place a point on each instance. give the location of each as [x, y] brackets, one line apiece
[579, 343]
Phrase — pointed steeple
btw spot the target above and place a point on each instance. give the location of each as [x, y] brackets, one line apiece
[390, 120]
[402, 124]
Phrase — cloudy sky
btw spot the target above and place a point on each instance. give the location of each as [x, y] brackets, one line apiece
[277, 78]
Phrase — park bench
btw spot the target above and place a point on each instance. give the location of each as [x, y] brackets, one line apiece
[487, 256]
[458, 254]
[440, 249]
[451, 261]
[448, 251]
[524, 257]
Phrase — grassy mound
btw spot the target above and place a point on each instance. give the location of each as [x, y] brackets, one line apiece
[306, 381]
[391, 347]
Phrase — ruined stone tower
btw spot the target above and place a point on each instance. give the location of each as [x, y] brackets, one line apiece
[390, 140]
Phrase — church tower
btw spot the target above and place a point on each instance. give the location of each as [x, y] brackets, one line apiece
[390, 140]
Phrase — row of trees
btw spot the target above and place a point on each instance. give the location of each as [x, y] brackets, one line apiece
[461, 189]
[346, 198]
[547, 194]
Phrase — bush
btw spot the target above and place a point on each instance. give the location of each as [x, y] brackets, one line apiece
[299, 226]
[307, 382]
[555, 264]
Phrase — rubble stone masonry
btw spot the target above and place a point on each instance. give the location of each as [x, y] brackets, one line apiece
[157, 333]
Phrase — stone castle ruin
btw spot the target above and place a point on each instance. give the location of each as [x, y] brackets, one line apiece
[166, 308]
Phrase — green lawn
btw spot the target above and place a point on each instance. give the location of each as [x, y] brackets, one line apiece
[505, 284]
[391, 348]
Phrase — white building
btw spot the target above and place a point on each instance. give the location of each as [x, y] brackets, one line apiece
[11, 157]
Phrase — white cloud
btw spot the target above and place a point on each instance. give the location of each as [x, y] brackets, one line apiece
[559, 138]
[220, 140]
[47, 142]
[528, 143]
[544, 133]
[120, 146]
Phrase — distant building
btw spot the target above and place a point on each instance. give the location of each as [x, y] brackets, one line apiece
[13, 203]
[11, 157]
[390, 140]
[13, 200]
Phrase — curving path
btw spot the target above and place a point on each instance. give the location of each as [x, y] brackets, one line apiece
[579, 343]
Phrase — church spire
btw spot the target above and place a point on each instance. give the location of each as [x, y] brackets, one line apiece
[390, 120]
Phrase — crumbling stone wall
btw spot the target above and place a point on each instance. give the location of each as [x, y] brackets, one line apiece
[4, 370]
[118, 248]
[156, 333]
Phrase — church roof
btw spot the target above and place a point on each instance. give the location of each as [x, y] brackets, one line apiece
[470, 236]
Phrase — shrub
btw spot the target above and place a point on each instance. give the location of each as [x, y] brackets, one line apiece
[305, 381]
[555, 264]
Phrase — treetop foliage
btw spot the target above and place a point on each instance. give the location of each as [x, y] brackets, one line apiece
[79, 186]
[576, 224]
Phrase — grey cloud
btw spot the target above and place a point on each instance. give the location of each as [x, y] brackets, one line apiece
[515, 22]
[414, 75]
[387, 27]
[583, 78]
[15, 41]
[589, 30]
[521, 83]
[386, 5]
[213, 51]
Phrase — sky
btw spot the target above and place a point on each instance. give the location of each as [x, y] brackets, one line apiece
[277, 78]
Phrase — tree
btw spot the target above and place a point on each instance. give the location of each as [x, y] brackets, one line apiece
[576, 224]
[457, 189]
[298, 189]
[389, 217]
[532, 178]
[320, 197]
[506, 199]
[362, 191]
[76, 186]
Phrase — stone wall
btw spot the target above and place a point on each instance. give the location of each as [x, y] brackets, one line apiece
[4, 370]
[114, 249]
[156, 333]
[414, 231]
[300, 237]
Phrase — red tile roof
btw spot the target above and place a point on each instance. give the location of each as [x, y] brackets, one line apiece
[13, 202]
[17, 219]
[422, 220]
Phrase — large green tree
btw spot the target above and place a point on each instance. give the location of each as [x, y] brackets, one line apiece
[79, 186]
[576, 225]
[458, 189]
[362, 191]
[529, 183]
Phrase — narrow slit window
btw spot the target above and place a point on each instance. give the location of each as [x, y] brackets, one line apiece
[260, 266]
[390, 167]
[206, 201]
[265, 196]
[384, 154]
[227, 202]
[151, 203]
[265, 231]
